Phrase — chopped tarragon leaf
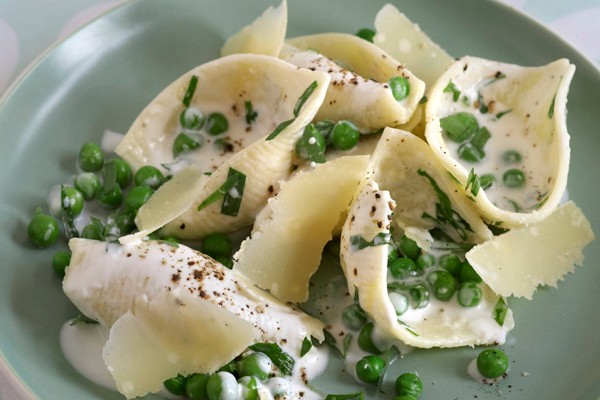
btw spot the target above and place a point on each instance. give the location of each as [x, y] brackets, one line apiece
[100, 227]
[444, 212]
[451, 88]
[358, 242]
[191, 89]
[301, 100]
[542, 202]
[408, 328]
[502, 113]
[110, 176]
[515, 205]
[306, 346]
[67, 214]
[279, 128]
[309, 90]
[423, 100]
[250, 113]
[473, 182]
[231, 191]
[460, 126]
[500, 310]
[282, 360]
[483, 108]
[352, 396]
[551, 109]
[82, 319]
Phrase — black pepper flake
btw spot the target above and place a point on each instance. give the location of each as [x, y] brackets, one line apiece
[182, 226]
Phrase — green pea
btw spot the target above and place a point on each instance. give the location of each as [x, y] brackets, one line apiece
[225, 260]
[405, 397]
[110, 199]
[216, 124]
[222, 386]
[354, 317]
[425, 260]
[325, 128]
[400, 87]
[191, 118]
[42, 230]
[311, 146]
[403, 267]
[486, 181]
[366, 34]
[176, 385]
[511, 157]
[409, 247]
[409, 384]
[419, 295]
[370, 368]
[443, 283]
[451, 263]
[467, 273]
[195, 386]
[468, 152]
[137, 197]
[88, 184]
[90, 231]
[255, 364]
[217, 244]
[184, 143]
[72, 200]
[345, 135]
[60, 261]
[392, 253]
[123, 171]
[492, 363]
[513, 178]
[399, 302]
[248, 388]
[469, 294]
[150, 176]
[365, 339]
[125, 223]
[91, 157]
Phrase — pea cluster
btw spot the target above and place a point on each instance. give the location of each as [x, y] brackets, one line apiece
[193, 122]
[414, 276]
[240, 379]
[316, 138]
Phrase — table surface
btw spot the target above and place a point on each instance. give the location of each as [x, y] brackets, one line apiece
[29, 27]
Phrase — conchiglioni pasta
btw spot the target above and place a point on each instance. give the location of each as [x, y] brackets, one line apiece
[504, 125]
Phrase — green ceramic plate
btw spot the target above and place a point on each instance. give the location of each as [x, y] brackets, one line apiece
[101, 77]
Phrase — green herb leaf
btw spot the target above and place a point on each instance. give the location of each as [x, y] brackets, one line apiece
[231, 191]
[408, 328]
[309, 90]
[82, 319]
[483, 108]
[500, 310]
[503, 113]
[331, 342]
[100, 227]
[497, 76]
[191, 89]
[306, 346]
[445, 214]
[451, 88]
[250, 113]
[473, 182]
[353, 396]
[423, 100]
[282, 360]
[460, 126]
[279, 128]
[358, 242]
[551, 109]
[389, 357]
[110, 175]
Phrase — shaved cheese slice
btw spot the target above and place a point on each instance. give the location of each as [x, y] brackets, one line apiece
[439, 324]
[224, 86]
[171, 200]
[265, 35]
[507, 122]
[360, 72]
[517, 262]
[146, 348]
[285, 250]
[407, 43]
[166, 295]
